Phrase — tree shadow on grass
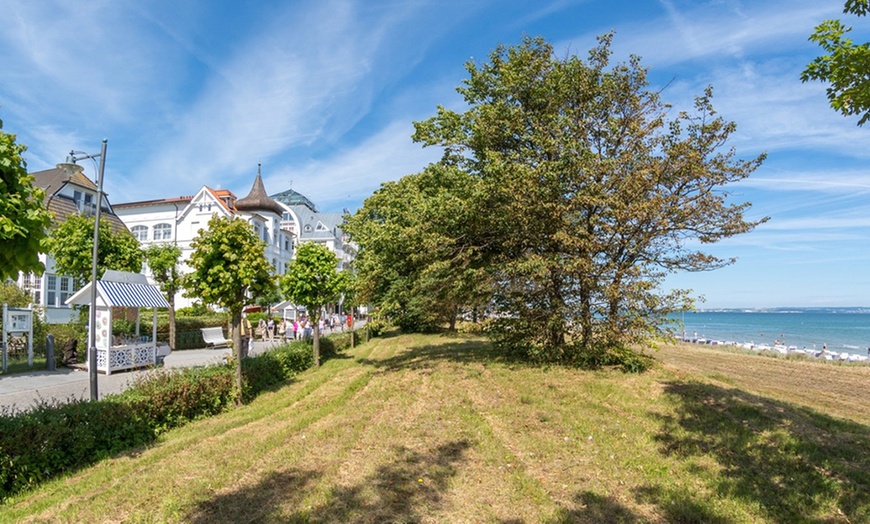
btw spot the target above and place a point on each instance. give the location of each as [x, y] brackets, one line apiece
[793, 463]
[407, 489]
[595, 508]
[421, 357]
[254, 503]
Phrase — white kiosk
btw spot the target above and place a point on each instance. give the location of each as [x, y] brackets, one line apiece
[122, 289]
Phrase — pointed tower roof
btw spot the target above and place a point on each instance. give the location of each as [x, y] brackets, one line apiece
[257, 199]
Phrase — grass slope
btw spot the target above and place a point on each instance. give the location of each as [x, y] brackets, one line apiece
[436, 429]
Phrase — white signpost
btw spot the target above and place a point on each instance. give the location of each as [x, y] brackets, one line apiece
[17, 321]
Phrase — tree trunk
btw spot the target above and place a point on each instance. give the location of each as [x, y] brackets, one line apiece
[316, 344]
[237, 352]
[172, 322]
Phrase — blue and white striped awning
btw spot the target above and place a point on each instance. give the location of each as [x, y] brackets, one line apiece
[123, 294]
[120, 294]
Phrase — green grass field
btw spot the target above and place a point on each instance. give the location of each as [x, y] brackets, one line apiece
[437, 429]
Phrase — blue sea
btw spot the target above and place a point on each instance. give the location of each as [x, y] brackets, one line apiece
[841, 329]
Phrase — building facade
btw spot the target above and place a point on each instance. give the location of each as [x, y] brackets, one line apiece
[178, 221]
[66, 193]
[300, 216]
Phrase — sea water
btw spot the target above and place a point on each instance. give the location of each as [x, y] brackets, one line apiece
[840, 329]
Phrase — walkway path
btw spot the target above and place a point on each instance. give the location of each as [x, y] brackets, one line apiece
[24, 390]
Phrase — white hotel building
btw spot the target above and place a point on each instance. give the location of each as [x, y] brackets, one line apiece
[282, 221]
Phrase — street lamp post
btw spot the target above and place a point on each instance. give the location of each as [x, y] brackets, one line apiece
[70, 164]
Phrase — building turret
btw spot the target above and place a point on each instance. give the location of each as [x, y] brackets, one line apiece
[258, 200]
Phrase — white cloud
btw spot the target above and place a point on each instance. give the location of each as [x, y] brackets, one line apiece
[354, 174]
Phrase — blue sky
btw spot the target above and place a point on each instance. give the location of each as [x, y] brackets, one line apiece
[324, 94]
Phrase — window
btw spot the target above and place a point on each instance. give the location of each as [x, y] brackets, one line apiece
[32, 283]
[163, 232]
[140, 232]
[84, 202]
[50, 290]
[64, 289]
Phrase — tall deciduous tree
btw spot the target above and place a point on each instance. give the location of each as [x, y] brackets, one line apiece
[229, 266]
[419, 240]
[24, 220]
[591, 195]
[312, 280]
[71, 246]
[845, 66]
[163, 259]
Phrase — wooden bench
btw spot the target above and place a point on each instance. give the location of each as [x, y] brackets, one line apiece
[214, 337]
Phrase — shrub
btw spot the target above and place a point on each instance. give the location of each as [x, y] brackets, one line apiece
[55, 438]
[265, 371]
[170, 398]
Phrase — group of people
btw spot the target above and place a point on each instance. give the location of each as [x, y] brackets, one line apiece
[297, 329]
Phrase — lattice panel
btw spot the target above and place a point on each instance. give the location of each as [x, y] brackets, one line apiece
[144, 355]
[101, 359]
[121, 359]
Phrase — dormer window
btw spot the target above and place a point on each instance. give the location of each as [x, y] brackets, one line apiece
[84, 202]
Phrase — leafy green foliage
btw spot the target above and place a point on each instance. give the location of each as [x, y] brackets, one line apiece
[13, 295]
[588, 194]
[23, 217]
[170, 398]
[71, 246]
[164, 259]
[56, 438]
[229, 263]
[420, 255]
[312, 280]
[845, 66]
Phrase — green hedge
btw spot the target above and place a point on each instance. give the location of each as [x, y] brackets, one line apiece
[55, 438]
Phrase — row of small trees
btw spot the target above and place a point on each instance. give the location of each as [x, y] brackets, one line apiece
[229, 265]
[229, 268]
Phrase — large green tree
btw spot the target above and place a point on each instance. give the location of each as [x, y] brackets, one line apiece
[420, 248]
[591, 194]
[24, 220]
[164, 259]
[845, 64]
[71, 245]
[312, 280]
[229, 267]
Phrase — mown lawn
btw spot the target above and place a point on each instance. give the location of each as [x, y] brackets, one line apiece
[436, 429]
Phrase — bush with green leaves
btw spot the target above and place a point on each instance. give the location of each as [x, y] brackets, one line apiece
[54, 438]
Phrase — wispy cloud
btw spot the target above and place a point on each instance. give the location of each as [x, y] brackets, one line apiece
[349, 175]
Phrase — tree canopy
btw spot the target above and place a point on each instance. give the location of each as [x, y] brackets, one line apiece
[845, 64]
[24, 221]
[575, 192]
[71, 245]
[229, 266]
[163, 260]
[421, 257]
[312, 280]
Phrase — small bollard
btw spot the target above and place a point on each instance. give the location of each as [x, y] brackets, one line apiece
[49, 352]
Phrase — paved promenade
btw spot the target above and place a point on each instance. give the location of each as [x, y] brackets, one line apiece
[24, 390]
